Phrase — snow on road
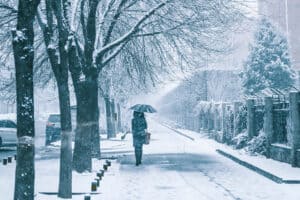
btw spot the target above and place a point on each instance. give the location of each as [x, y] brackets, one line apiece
[174, 168]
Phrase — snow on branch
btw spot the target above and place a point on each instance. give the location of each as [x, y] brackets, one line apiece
[75, 4]
[113, 21]
[159, 32]
[102, 20]
[113, 54]
[133, 30]
[41, 19]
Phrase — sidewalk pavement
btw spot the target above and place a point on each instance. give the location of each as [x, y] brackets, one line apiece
[277, 171]
[172, 171]
[47, 172]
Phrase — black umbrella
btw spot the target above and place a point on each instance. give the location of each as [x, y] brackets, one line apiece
[143, 108]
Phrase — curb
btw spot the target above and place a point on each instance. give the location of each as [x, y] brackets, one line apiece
[178, 132]
[257, 169]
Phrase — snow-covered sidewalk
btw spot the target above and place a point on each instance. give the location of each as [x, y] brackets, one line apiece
[279, 169]
[47, 172]
[174, 167]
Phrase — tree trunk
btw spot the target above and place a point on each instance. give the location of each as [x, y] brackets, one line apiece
[65, 172]
[95, 119]
[113, 114]
[82, 157]
[109, 124]
[23, 40]
[87, 139]
[82, 154]
[119, 118]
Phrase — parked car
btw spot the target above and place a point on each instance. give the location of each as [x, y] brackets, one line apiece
[53, 128]
[8, 133]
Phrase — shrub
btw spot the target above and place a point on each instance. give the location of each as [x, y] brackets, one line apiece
[258, 144]
[240, 141]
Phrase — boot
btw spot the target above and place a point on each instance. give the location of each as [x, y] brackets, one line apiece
[136, 153]
[140, 156]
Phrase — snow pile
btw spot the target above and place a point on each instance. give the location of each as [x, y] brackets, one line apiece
[240, 141]
[257, 145]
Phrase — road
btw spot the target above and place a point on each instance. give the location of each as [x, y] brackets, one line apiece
[175, 167]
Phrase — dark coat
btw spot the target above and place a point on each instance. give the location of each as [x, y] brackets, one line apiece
[138, 125]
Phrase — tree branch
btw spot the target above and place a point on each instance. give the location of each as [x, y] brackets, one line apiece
[113, 22]
[114, 54]
[9, 8]
[82, 20]
[127, 35]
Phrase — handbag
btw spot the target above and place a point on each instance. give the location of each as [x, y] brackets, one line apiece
[147, 138]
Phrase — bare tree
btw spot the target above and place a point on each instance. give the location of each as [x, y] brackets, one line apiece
[23, 40]
[145, 36]
[55, 30]
[50, 45]
[41, 70]
[116, 83]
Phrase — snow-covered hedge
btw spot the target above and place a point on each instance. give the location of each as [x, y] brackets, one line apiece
[203, 106]
[258, 144]
[241, 121]
[240, 141]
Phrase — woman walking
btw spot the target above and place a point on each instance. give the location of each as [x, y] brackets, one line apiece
[138, 126]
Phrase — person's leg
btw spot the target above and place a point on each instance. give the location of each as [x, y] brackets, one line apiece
[139, 154]
[136, 153]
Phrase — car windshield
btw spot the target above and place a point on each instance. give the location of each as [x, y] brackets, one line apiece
[54, 118]
[7, 124]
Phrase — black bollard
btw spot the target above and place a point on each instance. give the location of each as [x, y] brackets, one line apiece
[15, 156]
[98, 181]
[94, 186]
[4, 161]
[105, 167]
[87, 197]
[108, 163]
[99, 174]
[9, 159]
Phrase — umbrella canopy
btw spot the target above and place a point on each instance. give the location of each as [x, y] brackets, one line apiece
[143, 108]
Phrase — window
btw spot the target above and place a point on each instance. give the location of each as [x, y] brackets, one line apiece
[2, 123]
[7, 124]
[54, 118]
[11, 124]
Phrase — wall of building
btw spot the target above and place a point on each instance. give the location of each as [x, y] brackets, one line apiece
[6, 107]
